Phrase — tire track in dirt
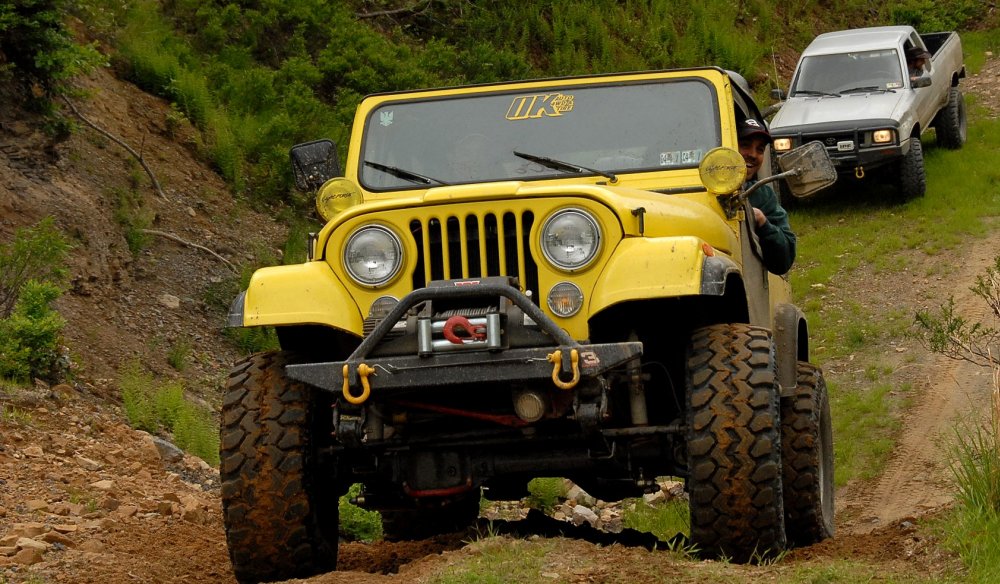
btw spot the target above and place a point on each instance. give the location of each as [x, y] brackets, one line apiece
[946, 393]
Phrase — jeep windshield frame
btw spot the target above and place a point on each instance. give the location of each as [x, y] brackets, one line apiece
[611, 128]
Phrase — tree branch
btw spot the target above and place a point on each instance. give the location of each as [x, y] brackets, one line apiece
[415, 7]
[173, 237]
[121, 143]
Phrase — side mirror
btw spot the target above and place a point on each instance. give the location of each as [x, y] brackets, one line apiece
[807, 169]
[922, 81]
[778, 94]
[314, 163]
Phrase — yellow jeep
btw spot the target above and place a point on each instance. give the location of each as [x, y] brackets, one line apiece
[538, 278]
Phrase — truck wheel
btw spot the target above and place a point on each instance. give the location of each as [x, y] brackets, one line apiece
[807, 459]
[421, 523]
[912, 180]
[950, 122]
[279, 511]
[785, 196]
[734, 443]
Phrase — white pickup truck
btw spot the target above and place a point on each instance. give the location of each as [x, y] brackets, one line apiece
[854, 91]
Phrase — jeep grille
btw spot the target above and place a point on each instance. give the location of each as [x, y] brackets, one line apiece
[491, 244]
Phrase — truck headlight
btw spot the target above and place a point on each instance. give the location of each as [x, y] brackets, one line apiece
[782, 144]
[882, 136]
[373, 255]
[571, 239]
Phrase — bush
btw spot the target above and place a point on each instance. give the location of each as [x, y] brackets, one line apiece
[29, 337]
[37, 253]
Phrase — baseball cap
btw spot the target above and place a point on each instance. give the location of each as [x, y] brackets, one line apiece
[917, 53]
[751, 127]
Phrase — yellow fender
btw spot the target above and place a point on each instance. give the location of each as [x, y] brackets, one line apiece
[645, 268]
[308, 293]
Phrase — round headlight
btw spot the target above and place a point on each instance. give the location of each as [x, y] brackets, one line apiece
[373, 255]
[565, 299]
[571, 239]
[722, 171]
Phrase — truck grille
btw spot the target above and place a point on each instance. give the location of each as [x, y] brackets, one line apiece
[475, 246]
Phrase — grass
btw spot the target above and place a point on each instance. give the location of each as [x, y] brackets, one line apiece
[154, 406]
[852, 232]
[545, 493]
[664, 521]
[499, 560]
[14, 415]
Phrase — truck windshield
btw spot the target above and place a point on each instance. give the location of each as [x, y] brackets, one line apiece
[637, 127]
[847, 72]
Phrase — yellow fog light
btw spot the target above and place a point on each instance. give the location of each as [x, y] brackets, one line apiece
[336, 195]
[722, 170]
[882, 136]
[782, 144]
[565, 299]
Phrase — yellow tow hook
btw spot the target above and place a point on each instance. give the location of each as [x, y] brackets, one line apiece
[859, 172]
[363, 372]
[556, 360]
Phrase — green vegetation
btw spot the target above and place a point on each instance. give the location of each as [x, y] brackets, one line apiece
[664, 521]
[156, 406]
[356, 523]
[499, 560]
[256, 78]
[179, 354]
[31, 273]
[545, 493]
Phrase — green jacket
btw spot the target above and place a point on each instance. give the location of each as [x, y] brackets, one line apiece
[777, 242]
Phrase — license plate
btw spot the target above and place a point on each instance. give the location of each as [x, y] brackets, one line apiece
[845, 146]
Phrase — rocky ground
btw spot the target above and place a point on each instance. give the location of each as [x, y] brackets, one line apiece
[86, 498]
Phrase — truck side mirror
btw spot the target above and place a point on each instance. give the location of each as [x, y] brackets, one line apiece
[314, 163]
[778, 94]
[918, 82]
[807, 169]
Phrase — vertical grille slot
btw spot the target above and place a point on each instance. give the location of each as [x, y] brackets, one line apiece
[475, 246]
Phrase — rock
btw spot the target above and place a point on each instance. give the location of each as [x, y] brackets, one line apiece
[26, 543]
[27, 557]
[34, 451]
[103, 485]
[54, 537]
[93, 546]
[66, 528]
[37, 505]
[656, 498]
[91, 465]
[583, 515]
[169, 301]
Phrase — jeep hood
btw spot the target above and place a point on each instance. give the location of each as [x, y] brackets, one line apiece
[848, 110]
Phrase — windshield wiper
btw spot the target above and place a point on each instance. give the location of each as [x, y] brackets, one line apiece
[815, 92]
[404, 174]
[867, 88]
[565, 166]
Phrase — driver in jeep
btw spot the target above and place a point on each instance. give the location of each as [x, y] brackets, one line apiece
[777, 241]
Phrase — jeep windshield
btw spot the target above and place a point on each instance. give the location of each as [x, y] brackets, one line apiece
[597, 129]
[845, 73]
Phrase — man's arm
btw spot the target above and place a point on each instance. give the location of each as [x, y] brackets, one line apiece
[777, 241]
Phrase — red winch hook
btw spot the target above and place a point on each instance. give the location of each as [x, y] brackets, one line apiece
[474, 333]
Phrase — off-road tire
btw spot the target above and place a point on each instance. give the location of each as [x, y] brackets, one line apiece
[807, 459]
[785, 196]
[734, 443]
[421, 523]
[280, 515]
[950, 122]
[912, 180]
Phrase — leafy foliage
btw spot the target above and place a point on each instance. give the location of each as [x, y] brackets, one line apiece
[37, 253]
[29, 337]
[38, 47]
[356, 523]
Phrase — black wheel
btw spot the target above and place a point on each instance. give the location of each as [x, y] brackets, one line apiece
[950, 122]
[807, 459]
[279, 512]
[424, 522]
[785, 196]
[912, 181]
[733, 442]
